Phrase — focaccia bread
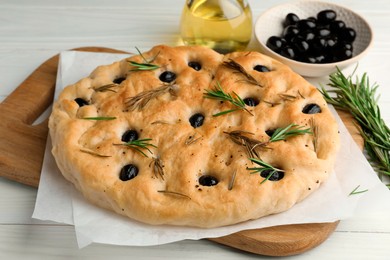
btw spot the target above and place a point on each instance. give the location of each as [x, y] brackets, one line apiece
[187, 136]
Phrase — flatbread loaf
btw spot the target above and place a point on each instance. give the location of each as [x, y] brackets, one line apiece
[187, 136]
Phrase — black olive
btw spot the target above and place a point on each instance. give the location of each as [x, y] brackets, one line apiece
[290, 31]
[275, 43]
[167, 76]
[348, 34]
[323, 32]
[119, 80]
[318, 46]
[311, 109]
[288, 52]
[300, 44]
[208, 180]
[128, 172]
[195, 65]
[290, 19]
[336, 26]
[129, 136]
[252, 102]
[310, 59]
[321, 59]
[276, 175]
[81, 102]
[331, 42]
[307, 35]
[326, 16]
[270, 132]
[306, 24]
[261, 68]
[196, 120]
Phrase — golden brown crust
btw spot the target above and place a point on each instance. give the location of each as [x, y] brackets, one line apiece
[186, 153]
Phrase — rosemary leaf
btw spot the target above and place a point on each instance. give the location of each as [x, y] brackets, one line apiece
[264, 167]
[94, 153]
[143, 66]
[174, 193]
[100, 118]
[107, 87]
[355, 191]
[146, 65]
[231, 182]
[360, 99]
[288, 131]
[219, 94]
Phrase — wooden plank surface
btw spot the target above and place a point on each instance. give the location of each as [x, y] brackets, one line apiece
[24, 140]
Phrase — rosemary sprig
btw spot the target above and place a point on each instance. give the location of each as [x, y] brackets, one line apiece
[240, 69]
[355, 191]
[146, 65]
[360, 100]
[140, 144]
[279, 134]
[219, 94]
[264, 167]
[241, 138]
[142, 99]
[100, 118]
[143, 66]
[291, 130]
[107, 87]
[158, 167]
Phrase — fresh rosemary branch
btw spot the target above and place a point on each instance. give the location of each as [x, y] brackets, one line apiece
[360, 100]
[291, 130]
[140, 144]
[240, 69]
[218, 94]
[264, 168]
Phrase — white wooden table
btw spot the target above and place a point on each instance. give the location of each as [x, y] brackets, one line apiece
[33, 31]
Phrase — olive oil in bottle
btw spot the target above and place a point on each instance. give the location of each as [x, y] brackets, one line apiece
[223, 25]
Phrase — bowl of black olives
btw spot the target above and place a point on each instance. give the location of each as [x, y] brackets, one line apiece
[313, 38]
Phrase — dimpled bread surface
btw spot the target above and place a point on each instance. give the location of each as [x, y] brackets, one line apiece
[192, 175]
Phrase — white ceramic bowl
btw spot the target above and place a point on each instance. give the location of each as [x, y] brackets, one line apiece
[270, 24]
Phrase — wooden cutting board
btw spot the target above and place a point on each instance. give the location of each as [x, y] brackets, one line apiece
[22, 147]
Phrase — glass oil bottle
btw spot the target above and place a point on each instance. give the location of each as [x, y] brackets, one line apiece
[223, 25]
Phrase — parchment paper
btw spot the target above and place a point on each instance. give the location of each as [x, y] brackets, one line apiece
[58, 201]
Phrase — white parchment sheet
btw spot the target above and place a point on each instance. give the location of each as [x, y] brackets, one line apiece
[58, 201]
